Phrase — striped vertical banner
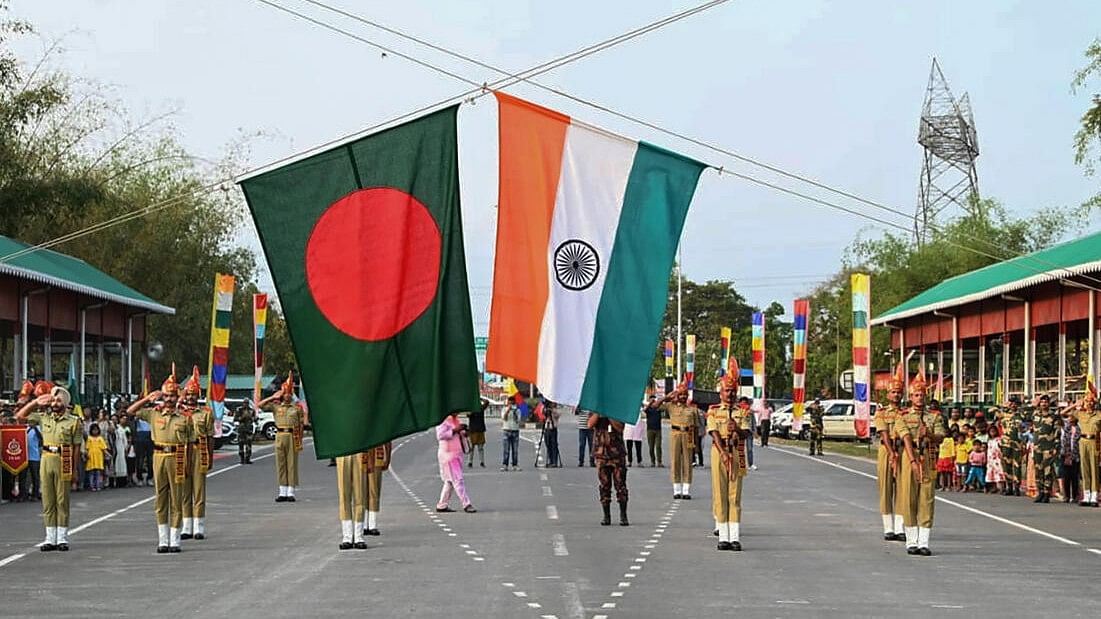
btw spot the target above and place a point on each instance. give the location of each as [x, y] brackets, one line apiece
[690, 362]
[799, 363]
[259, 325]
[861, 284]
[724, 350]
[220, 319]
[758, 350]
[668, 358]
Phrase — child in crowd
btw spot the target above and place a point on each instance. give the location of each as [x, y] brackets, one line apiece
[995, 472]
[946, 463]
[976, 474]
[95, 447]
[963, 451]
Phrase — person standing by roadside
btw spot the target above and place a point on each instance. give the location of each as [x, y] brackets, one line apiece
[34, 463]
[584, 437]
[510, 436]
[95, 450]
[816, 426]
[653, 431]
[143, 452]
[476, 427]
[1089, 419]
[550, 435]
[1068, 454]
[122, 447]
[701, 431]
[1046, 440]
[765, 425]
[633, 433]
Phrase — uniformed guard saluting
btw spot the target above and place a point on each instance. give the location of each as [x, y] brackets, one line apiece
[171, 436]
[200, 456]
[289, 421]
[62, 437]
[683, 418]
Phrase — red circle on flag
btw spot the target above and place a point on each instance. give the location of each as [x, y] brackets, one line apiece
[373, 262]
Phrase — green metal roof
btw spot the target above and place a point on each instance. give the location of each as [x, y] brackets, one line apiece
[1060, 262]
[69, 273]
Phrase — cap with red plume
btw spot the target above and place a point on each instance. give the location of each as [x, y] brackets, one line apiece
[27, 390]
[898, 381]
[918, 384]
[288, 385]
[43, 387]
[193, 387]
[729, 381]
[170, 386]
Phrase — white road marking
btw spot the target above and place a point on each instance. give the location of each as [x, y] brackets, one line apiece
[534, 605]
[479, 558]
[617, 594]
[1094, 551]
[624, 584]
[559, 542]
[608, 605]
[520, 594]
[792, 602]
[542, 477]
[636, 567]
[547, 491]
[947, 606]
[12, 559]
[629, 575]
[552, 512]
[645, 553]
[73, 531]
[967, 508]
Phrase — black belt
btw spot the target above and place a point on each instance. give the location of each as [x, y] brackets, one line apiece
[1089, 436]
[167, 448]
[688, 429]
[284, 429]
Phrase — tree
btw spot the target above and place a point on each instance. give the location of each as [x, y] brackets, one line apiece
[70, 160]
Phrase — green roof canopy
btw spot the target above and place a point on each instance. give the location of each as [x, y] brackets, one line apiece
[1061, 262]
[69, 273]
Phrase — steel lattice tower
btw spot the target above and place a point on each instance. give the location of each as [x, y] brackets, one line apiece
[947, 133]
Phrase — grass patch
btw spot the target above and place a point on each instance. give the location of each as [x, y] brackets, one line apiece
[847, 448]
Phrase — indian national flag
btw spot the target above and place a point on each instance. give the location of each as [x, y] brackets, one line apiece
[588, 223]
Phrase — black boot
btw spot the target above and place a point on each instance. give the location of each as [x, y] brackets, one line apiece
[607, 514]
[1039, 498]
[623, 514]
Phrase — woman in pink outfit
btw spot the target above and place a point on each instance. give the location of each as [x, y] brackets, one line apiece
[450, 455]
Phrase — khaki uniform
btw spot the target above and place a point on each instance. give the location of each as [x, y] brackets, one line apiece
[915, 499]
[200, 458]
[172, 434]
[288, 424]
[726, 484]
[351, 487]
[378, 462]
[61, 439]
[682, 434]
[885, 419]
[1090, 422]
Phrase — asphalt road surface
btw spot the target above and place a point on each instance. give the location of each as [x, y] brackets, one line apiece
[535, 549]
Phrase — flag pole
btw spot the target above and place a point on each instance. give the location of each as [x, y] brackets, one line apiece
[680, 278]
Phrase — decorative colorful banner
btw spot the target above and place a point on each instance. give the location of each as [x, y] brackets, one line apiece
[690, 362]
[259, 325]
[758, 350]
[668, 358]
[220, 319]
[861, 284]
[799, 363]
[13, 448]
[724, 350]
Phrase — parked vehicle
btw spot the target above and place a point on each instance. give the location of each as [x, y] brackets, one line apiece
[838, 421]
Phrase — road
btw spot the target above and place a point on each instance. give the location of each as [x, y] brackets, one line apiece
[535, 549]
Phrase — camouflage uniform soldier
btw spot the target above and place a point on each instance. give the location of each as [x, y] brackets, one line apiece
[1046, 432]
[1089, 418]
[610, 455]
[817, 427]
[246, 425]
[1011, 447]
[887, 460]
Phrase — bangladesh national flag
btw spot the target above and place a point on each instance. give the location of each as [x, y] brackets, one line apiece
[365, 244]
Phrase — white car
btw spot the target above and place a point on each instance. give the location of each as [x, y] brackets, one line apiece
[839, 420]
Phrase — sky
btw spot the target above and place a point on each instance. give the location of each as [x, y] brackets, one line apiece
[831, 90]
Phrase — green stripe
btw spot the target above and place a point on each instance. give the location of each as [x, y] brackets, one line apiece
[222, 320]
[659, 190]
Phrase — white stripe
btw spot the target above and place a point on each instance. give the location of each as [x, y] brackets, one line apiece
[593, 181]
[225, 301]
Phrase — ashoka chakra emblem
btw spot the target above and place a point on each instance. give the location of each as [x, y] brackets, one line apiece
[576, 264]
